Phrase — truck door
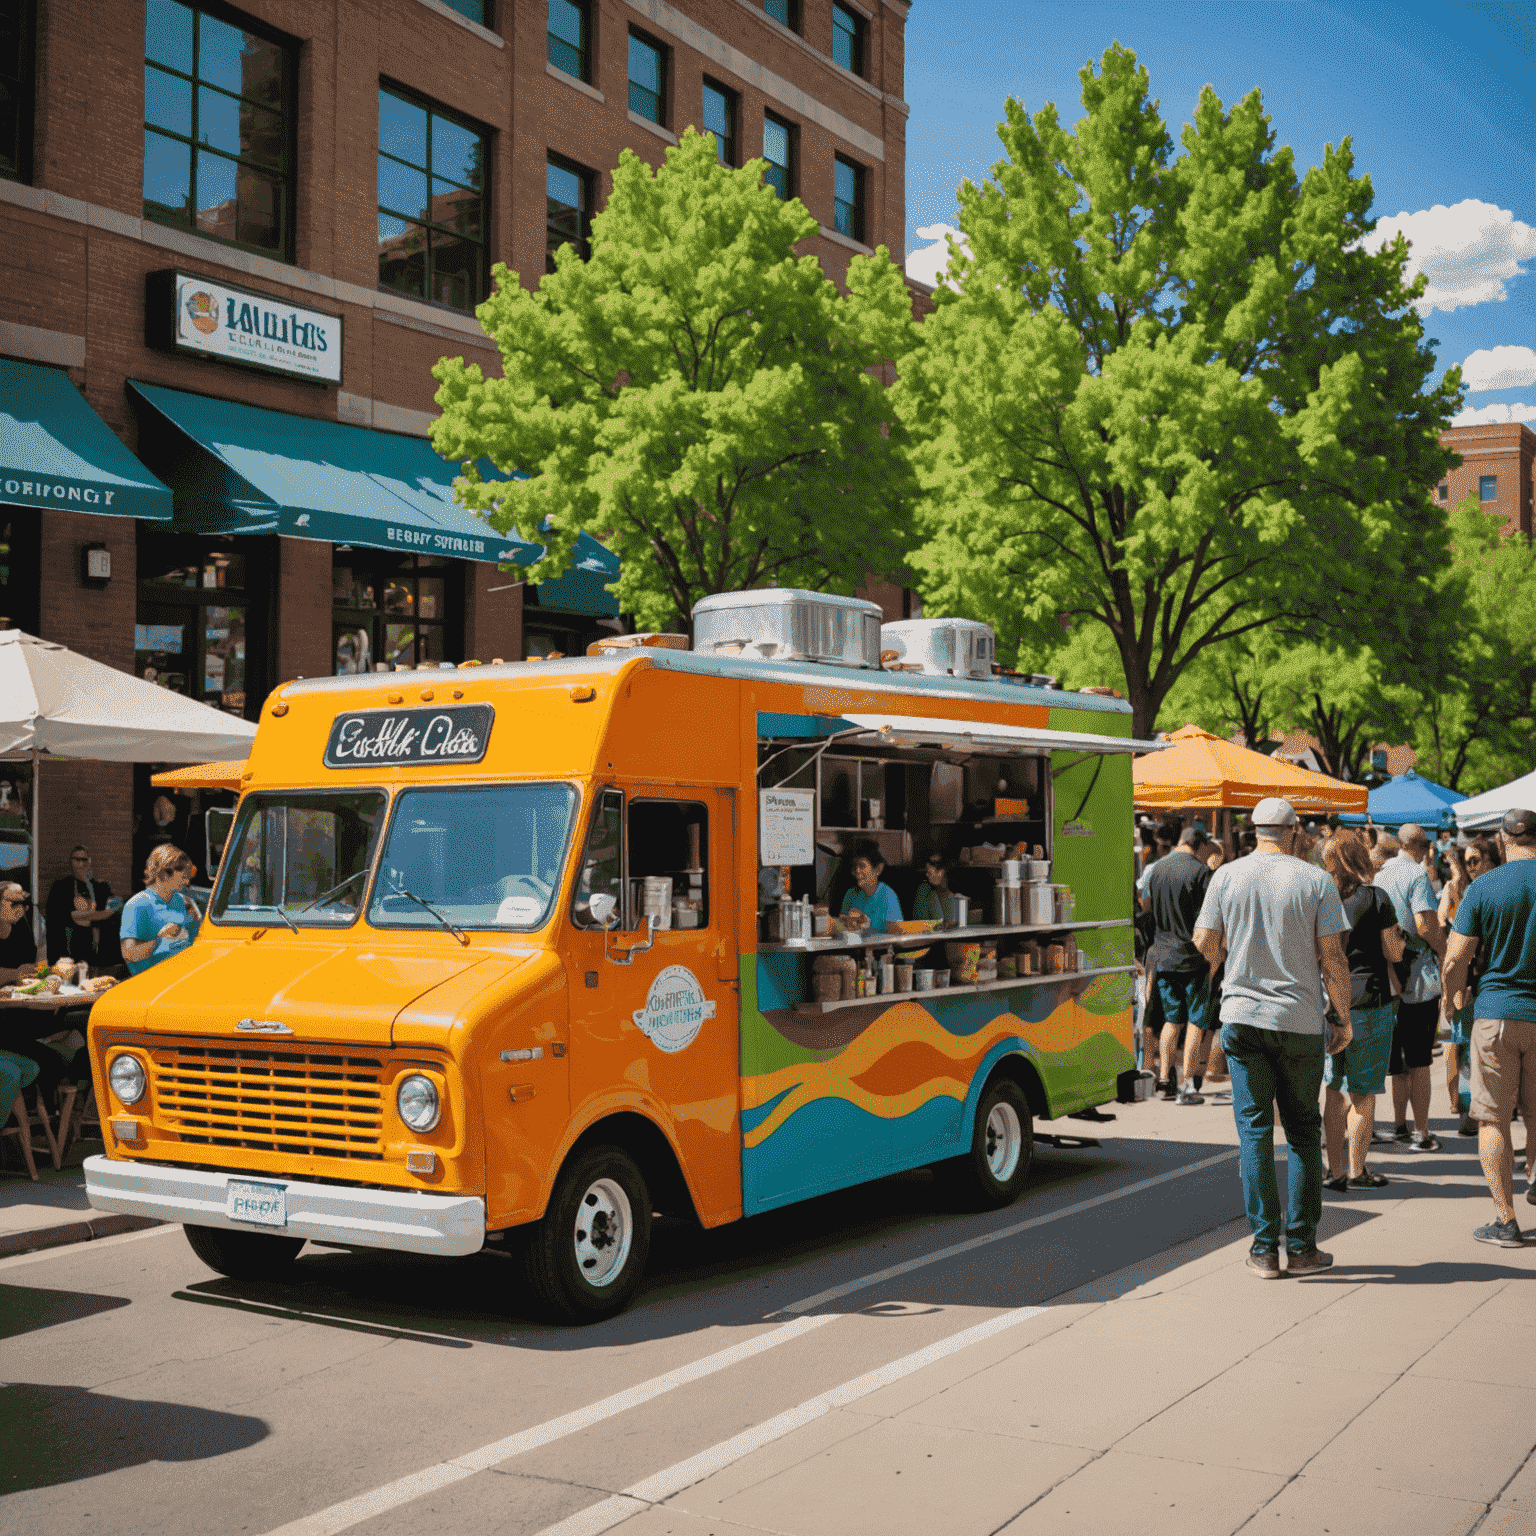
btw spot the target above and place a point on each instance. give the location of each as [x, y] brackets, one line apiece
[663, 1027]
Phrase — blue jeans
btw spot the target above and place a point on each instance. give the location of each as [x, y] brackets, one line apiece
[16, 1073]
[1270, 1067]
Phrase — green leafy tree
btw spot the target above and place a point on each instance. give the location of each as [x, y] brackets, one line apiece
[695, 395]
[1170, 394]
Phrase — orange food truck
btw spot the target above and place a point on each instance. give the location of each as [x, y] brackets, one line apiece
[521, 954]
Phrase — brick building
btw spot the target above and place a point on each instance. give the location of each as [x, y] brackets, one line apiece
[1498, 467]
[246, 233]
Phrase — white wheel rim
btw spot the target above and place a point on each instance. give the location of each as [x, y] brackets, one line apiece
[605, 1228]
[1004, 1141]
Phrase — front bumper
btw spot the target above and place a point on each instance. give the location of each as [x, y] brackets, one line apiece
[404, 1220]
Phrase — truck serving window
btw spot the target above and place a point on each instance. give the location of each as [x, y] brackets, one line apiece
[484, 856]
[305, 856]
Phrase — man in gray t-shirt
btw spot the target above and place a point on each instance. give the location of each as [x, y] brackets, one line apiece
[1278, 923]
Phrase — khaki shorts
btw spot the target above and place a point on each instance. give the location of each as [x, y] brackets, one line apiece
[1503, 1068]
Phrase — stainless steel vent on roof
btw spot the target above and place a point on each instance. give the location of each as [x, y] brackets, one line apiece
[940, 647]
[786, 624]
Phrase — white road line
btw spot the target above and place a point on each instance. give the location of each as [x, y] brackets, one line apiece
[834, 1292]
[664, 1485]
[96, 1244]
[365, 1506]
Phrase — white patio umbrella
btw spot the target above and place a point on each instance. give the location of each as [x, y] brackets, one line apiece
[1485, 811]
[57, 703]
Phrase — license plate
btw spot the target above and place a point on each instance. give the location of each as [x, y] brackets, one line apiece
[264, 1204]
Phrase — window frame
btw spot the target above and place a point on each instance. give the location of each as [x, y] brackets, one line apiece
[684, 799]
[384, 566]
[1487, 488]
[584, 9]
[729, 153]
[860, 204]
[287, 177]
[663, 70]
[588, 179]
[859, 35]
[792, 11]
[26, 94]
[486, 17]
[582, 920]
[792, 170]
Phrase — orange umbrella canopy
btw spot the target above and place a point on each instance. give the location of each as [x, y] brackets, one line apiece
[1202, 770]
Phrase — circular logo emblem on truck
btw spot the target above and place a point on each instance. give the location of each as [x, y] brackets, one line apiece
[675, 1010]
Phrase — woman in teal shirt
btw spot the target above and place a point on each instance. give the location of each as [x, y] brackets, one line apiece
[871, 904]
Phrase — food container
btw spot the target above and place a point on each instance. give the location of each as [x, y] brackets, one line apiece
[655, 899]
[887, 975]
[1013, 871]
[1066, 903]
[684, 913]
[821, 923]
[828, 986]
[1010, 905]
[957, 911]
[872, 813]
[1040, 904]
[1007, 967]
[1008, 808]
[1056, 959]
[940, 979]
[922, 981]
[1039, 871]
[964, 960]
[903, 976]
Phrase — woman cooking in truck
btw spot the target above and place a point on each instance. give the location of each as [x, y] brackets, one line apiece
[871, 904]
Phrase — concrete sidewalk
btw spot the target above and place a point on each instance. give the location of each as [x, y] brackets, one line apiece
[54, 1210]
[1393, 1394]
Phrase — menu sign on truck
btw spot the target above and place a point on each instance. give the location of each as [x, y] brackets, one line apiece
[188, 312]
[374, 738]
[786, 826]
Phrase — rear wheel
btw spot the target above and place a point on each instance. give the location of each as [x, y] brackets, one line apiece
[584, 1261]
[996, 1168]
[244, 1255]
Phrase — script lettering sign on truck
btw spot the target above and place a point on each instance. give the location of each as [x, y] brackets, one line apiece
[394, 737]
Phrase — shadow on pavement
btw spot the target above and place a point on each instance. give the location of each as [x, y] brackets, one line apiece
[1433, 1272]
[56, 1435]
[25, 1308]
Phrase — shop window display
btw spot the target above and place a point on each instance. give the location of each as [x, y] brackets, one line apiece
[391, 611]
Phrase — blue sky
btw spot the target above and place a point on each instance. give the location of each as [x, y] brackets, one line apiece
[1439, 100]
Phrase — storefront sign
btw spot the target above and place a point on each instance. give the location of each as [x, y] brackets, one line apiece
[675, 1010]
[186, 312]
[375, 738]
[786, 826]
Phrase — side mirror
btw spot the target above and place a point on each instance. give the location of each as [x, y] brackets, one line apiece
[604, 907]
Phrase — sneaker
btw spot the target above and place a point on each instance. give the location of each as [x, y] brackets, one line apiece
[1428, 1142]
[1402, 1135]
[1308, 1262]
[1530, 1190]
[1187, 1095]
[1165, 1091]
[1502, 1234]
[1265, 1265]
[1340, 1185]
[1468, 1126]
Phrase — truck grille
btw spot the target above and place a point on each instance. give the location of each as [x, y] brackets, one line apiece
[273, 1101]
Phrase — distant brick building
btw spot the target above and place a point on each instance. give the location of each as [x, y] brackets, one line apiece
[349, 170]
[1498, 468]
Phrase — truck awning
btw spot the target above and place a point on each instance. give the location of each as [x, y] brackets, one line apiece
[971, 735]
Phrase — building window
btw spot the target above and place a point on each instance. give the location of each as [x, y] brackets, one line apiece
[474, 10]
[431, 203]
[647, 74]
[779, 152]
[18, 20]
[218, 128]
[191, 633]
[1488, 488]
[570, 38]
[849, 39]
[569, 197]
[785, 11]
[391, 611]
[720, 118]
[1443, 491]
[848, 198]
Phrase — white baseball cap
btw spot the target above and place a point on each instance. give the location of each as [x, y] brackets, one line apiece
[1273, 812]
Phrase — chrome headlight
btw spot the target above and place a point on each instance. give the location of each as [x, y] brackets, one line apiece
[126, 1075]
[417, 1099]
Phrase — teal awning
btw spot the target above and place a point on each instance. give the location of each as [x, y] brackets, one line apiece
[240, 469]
[55, 451]
[584, 587]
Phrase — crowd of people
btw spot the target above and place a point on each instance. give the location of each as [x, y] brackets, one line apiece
[1317, 967]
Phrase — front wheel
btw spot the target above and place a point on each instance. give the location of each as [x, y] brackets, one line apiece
[996, 1168]
[584, 1261]
[244, 1255]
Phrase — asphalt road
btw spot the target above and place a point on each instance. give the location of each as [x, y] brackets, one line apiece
[379, 1394]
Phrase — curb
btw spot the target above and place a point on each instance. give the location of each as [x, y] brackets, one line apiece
[104, 1225]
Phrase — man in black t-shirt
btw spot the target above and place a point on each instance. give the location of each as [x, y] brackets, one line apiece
[1176, 889]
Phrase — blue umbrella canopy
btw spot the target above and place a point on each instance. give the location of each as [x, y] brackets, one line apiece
[1410, 797]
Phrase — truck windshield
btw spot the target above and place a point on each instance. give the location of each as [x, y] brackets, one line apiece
[300, 859]
[484, 856]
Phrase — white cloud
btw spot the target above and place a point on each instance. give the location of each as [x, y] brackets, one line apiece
[927, 264]
[1467, 251]
[1497, 415]
[1499, 368]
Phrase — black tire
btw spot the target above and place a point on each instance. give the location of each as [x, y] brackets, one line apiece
[580, 1272]
[244, 1255]
[992, 1174]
